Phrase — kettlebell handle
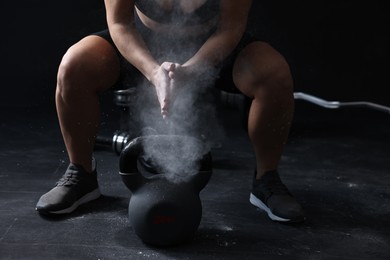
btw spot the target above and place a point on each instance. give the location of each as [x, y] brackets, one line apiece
[133, 179]
[128, 169]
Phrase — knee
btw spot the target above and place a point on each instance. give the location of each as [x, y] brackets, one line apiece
[260, 68]
[279, 77]
[78, 75]
[69, 75]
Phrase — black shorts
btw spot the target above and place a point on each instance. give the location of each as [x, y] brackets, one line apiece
[165, 48]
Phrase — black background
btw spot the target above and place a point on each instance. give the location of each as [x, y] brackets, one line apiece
[337, 50]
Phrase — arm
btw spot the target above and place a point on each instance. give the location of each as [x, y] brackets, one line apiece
[232, 25]
[120, 20]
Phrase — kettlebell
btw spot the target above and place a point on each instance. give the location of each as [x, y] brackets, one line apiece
[161, 211]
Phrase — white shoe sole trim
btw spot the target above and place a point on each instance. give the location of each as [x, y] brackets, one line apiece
[86, 198]
[258, 203]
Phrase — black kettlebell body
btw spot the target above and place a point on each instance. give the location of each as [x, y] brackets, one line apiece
[162, 212]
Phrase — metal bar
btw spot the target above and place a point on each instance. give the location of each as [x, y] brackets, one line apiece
[337, 104]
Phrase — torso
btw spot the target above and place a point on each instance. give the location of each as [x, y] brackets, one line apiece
[181, 16]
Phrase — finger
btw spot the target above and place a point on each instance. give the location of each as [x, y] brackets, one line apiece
[165, 66]
[172, 67]
[168, 66]
[164, 112]
[165, 104]
[164, 116]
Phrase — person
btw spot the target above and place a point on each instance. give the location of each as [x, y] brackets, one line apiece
[214, 31]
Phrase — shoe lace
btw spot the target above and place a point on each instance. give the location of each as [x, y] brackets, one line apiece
[68, 179]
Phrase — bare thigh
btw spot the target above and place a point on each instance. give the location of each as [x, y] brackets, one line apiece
[90, 65]
[260, 66]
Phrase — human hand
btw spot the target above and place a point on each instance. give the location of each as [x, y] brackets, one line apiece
[167, 78]
[164, 83]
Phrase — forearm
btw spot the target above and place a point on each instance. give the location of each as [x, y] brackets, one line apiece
[231, 27]
[133, 48]
[215, 49]
[120, 20]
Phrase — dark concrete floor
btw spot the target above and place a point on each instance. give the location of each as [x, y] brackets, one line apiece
[336, 163]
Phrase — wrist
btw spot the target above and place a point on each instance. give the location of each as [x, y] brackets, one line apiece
[196, 70]
[191, 69]
[152, 73]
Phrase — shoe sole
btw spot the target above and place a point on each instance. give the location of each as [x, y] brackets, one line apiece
[86, 198]
[258, 203]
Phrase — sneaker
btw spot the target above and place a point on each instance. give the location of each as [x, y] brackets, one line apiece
[272, 196]
[76, 187]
